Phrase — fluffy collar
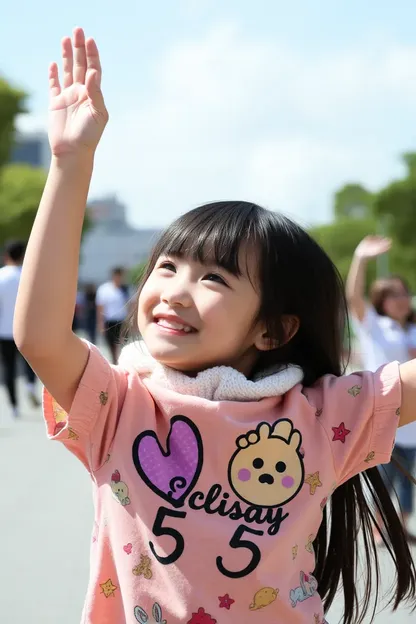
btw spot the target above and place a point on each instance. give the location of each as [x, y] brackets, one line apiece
[220, 383]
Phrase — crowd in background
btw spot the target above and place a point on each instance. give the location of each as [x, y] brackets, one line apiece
[98, 312]
[103, 310]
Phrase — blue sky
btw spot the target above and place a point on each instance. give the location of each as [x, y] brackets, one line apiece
[276, 102]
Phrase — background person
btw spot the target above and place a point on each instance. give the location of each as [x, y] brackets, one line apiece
[385, 333]
[9, 284]
[90, 312]
[112, 309]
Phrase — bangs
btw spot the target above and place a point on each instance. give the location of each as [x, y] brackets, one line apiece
[213, 235]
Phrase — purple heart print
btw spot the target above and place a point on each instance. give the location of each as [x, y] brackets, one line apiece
[172, 473]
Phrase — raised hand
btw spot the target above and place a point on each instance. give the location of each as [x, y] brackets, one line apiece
[78, 114]
[372, 246]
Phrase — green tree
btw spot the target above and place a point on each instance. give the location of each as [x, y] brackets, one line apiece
[21, 188]
[391, 211]
[395, 209]
[340, 238]
[354, 201]
[12, 103]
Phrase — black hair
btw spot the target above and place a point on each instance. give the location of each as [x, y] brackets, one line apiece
[117, 271]
[15, 250]
[382, 288]
[297, 278]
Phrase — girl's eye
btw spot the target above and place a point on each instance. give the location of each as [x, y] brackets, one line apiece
[213, 277]
[169, 266]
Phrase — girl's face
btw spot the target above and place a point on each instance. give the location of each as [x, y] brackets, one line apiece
[193, 316]
[397, 304]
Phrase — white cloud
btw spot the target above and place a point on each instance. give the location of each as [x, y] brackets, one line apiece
[232, 116]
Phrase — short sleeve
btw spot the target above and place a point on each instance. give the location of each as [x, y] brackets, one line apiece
[360, 415]
[368, 323]
[100, 295]
[88, 429]
[411, 336]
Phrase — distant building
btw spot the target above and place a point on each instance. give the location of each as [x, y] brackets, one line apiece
[112, 241]
[31, 149]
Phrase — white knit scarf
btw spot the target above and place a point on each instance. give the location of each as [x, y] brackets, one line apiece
[220, 383]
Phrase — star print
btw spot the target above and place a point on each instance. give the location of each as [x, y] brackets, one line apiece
[340, 433]
[72, 435]
[295, 552]
[225, 602]
[370, 457]
[355, 390]
[309, 545]
[108, 588]
[313, 481]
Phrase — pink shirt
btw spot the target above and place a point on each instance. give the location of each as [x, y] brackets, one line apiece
[206, 510]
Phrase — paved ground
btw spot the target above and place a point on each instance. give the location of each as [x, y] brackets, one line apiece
[45, 524]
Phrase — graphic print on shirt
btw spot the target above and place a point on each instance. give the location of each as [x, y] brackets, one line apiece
[142, 617]
[60, 416]
[171, 474]
[226, 602]
[340, 433]
[265, 472]
[313, 481]
[309, 544]
[263, 598]
[201, 617]
[120, 489]
[308, 588]
[253, 468]
[144, 567]
[108, 588]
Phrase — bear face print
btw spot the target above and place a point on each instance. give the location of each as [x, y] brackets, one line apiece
[267, 468]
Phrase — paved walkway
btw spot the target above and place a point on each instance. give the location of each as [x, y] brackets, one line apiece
[45, 524]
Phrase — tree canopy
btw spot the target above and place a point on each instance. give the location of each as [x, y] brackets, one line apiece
[390, 211]
[21, 185]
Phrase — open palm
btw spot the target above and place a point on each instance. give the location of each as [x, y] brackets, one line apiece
[77, 111]
[373, 246]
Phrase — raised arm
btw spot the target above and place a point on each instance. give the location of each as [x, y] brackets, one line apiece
[48, 287]
[370, 247]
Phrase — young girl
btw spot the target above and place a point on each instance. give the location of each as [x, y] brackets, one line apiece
[215, 457]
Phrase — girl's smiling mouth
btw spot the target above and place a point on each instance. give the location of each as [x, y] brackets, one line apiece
[173, 325]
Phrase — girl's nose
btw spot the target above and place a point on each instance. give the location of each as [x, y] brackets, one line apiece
[176, 295]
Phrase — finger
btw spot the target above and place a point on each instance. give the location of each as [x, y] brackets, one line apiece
[80, 56]
[54, 86]
[94, 92]
[67, 62]
[93, 59]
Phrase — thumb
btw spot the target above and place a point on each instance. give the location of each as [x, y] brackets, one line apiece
[94, 92]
